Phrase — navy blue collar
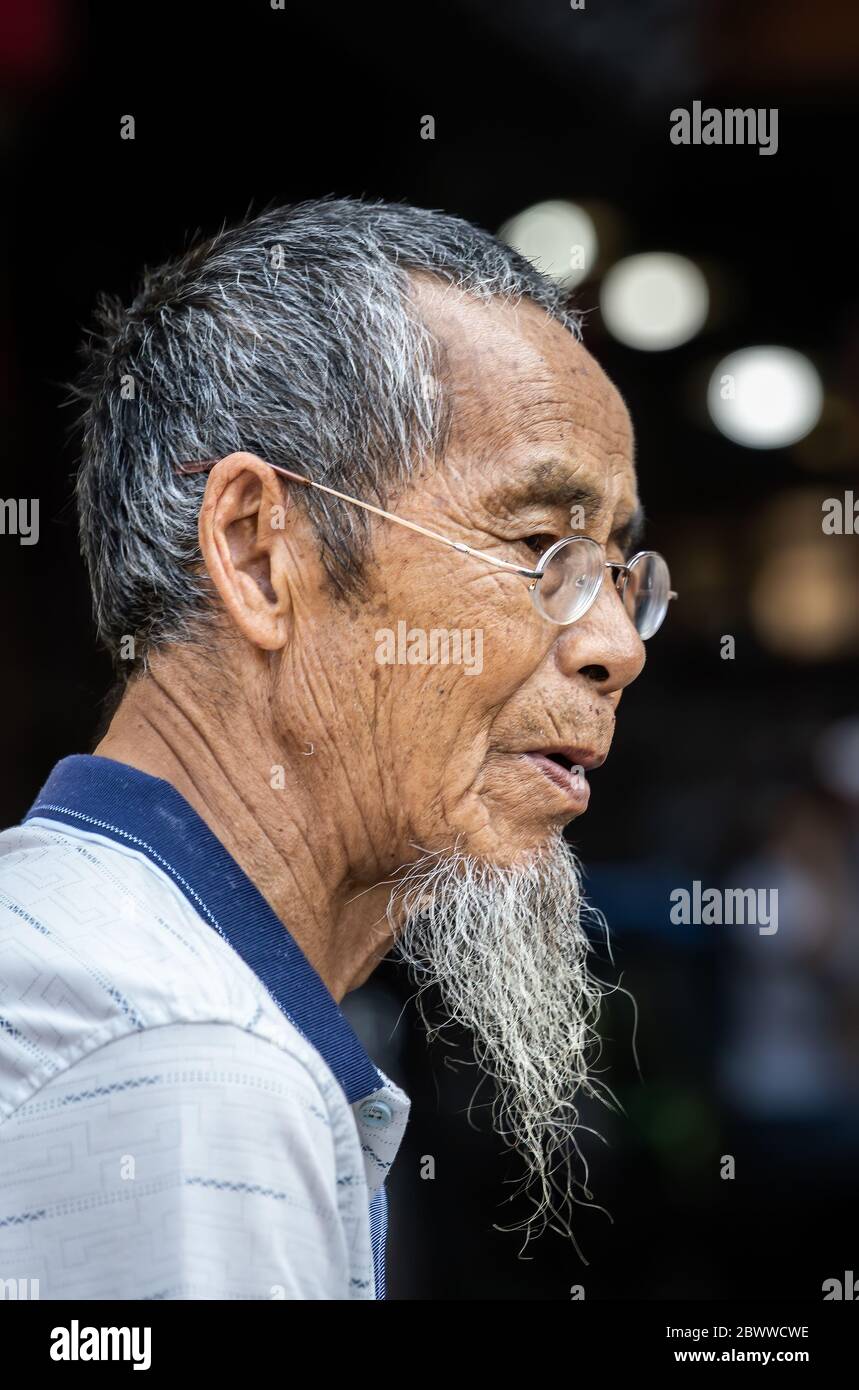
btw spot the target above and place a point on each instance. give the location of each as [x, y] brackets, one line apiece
[148, 814]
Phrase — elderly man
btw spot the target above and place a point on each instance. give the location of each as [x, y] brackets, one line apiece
[333, 423]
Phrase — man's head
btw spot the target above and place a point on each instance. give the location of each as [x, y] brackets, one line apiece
[406, 358]
[409, 360]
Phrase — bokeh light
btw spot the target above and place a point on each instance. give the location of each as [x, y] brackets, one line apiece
[559, 237]
[654, 301]
[799, 601]
[765, 397]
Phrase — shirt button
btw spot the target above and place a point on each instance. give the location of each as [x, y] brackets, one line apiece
[376, 1113]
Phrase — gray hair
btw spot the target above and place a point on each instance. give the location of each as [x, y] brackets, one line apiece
[292, 335]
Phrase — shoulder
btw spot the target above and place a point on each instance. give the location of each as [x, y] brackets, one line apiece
[97, 945]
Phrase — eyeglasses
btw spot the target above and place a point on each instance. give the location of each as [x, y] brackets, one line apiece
[566, 578]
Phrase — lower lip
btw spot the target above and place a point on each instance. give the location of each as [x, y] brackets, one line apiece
[572, 784]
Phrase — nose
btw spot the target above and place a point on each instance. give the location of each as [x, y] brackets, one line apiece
[603, 646]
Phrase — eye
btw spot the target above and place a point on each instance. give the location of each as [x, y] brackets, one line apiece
[538, 543]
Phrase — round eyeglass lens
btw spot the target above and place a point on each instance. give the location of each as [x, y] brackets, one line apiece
[646, 593]
[571, 574]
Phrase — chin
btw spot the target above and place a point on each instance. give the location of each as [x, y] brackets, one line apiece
[505, 845]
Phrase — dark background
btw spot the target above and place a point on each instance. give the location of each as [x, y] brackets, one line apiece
[729, 771]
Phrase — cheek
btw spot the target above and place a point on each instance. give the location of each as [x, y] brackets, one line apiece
[461, 645]
[447, 687]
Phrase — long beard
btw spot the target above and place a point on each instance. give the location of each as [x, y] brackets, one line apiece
[507, 951]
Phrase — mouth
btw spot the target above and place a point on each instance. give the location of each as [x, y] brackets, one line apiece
[565, 769]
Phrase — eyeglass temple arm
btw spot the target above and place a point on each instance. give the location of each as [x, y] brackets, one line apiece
[202, 465]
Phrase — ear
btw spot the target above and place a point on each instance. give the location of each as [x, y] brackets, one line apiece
[243, 540]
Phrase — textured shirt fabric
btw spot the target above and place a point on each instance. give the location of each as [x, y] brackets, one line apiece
[185, 1111]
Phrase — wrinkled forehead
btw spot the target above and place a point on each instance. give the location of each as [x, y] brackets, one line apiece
[526, 396]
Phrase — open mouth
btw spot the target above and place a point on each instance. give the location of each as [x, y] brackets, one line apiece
[565, 773]
[561, 759]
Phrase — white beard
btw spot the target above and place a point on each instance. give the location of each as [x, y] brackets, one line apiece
[507, 951]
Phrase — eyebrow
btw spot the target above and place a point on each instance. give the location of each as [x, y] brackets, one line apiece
[550, 484]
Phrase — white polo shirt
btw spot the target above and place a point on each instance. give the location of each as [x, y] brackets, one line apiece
[185, 1112]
